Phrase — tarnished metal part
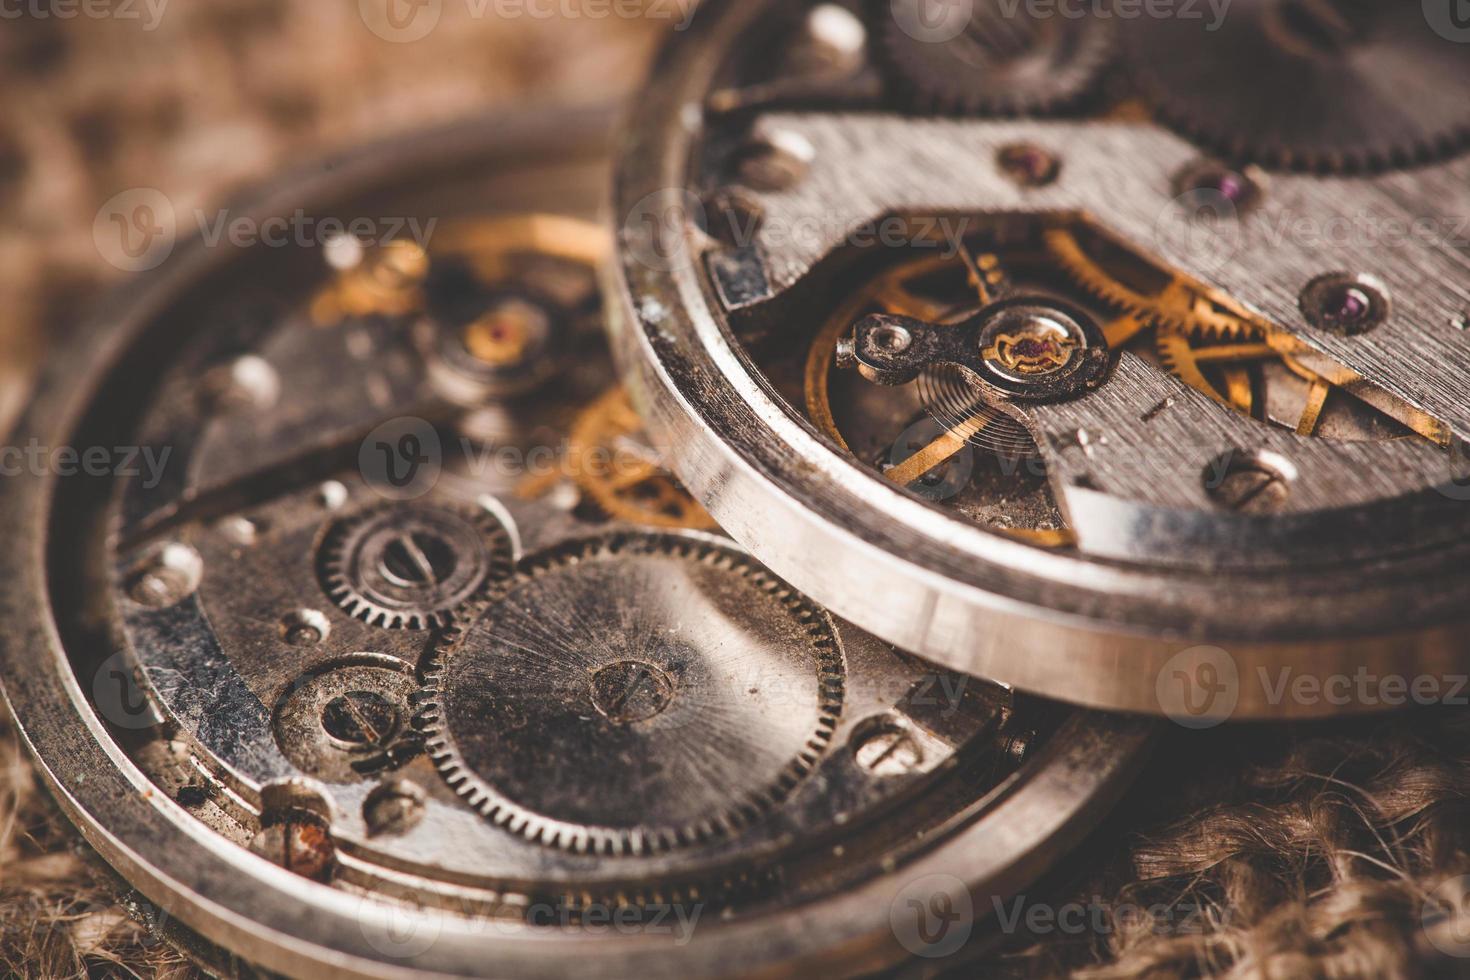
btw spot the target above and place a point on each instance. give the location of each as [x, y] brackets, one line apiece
[1172, 548]
[263, 754]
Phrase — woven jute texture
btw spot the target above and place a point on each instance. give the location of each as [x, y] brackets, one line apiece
[1260, 851]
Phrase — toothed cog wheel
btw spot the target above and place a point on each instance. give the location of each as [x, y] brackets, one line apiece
[633, 694]
[1341, 85]
[1112, 274]
[1002, 60]
[413, 566]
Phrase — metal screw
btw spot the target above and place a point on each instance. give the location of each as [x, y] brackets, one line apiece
[169, 576]
[241, 530]
[1028, 165]
[733, 218]
[887, 749]
[774, 164]
[891, 339]
[247, 383]
[1239, 189]
[393, 808]
[629, 691]
[1247, 485]
[838, 31]
[300, 843]
[332, 495]
[360, 718]
[418, 559]
[1345, 303]
[305, 627]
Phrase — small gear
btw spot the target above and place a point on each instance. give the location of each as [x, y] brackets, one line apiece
[622, 475]
[412, 566]
[1119, 278]
[1314, 85]
[1004, 61]
[634, 693]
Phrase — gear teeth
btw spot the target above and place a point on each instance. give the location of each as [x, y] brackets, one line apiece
[1177, 357]
[1155, 310]
[632, 842]
[937, 77]
[337, 581]
[1199, 94]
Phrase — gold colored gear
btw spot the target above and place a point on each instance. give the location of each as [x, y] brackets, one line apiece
[626, 485]
[1186, 357]
[389, 279]
[1160, 299]
[891, 293]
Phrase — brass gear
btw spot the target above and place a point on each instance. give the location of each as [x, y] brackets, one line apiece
[640, 491]
[1114, 275]
[1186, 358]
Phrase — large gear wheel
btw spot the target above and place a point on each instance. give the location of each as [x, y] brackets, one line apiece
[1003, 61]
[1316, 85]
[634, 693]
[412, 566]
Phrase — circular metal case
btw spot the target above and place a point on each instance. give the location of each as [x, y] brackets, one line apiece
[1167, 573]
[347, 689]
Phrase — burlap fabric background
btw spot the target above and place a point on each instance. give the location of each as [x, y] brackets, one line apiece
[1281, 852]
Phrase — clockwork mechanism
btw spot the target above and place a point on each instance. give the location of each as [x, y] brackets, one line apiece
[1061, 329]
[428, 662]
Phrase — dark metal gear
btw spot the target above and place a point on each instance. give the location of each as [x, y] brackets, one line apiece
[1315, 85]
[634, 693]
[412, 566]
[1002, 59]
